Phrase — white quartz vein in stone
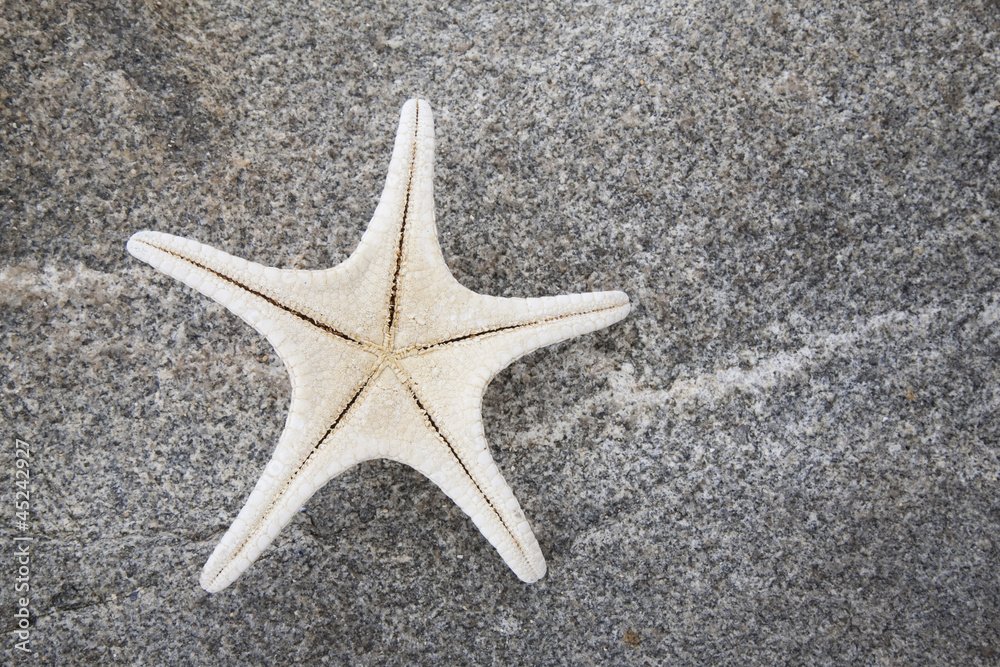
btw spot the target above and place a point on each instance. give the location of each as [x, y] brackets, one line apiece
[389, 357]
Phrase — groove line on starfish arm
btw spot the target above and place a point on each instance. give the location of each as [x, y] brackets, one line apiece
[394, 288]
[618, 307]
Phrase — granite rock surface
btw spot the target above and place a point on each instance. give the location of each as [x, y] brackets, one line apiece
[787, 454]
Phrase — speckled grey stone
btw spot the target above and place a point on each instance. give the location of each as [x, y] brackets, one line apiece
[787, 454]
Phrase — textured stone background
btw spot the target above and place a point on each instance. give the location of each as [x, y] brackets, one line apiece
[787, 453]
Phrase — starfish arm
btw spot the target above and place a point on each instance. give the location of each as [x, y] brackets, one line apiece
[380, 245]
[413, 437]
[321, 393]
[309, 453]
[513, 327]
[483, 494]
[370, 274]
[454, 456]
[300, 466]
[297, 338]
[284, 487]
[246, 287]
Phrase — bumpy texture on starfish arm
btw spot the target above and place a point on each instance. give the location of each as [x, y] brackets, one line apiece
[388, 357]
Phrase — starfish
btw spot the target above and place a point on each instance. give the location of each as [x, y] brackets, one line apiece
[388, 357]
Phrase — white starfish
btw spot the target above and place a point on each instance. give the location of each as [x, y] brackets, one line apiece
[389, 357]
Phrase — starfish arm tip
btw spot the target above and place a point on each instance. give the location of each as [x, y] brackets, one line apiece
[537, 570]
[137, 245]
[208, 585]
[620, 304]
